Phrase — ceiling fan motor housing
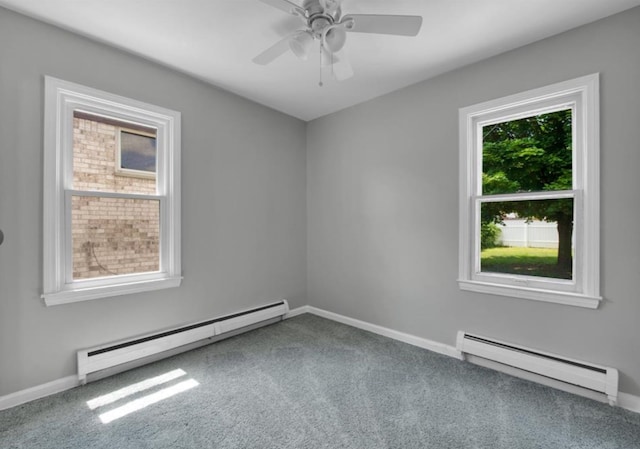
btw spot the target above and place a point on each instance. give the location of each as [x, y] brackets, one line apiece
[313, 7]
[318, 18]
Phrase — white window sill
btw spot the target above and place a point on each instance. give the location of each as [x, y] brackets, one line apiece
[558, 297]
[76, 294]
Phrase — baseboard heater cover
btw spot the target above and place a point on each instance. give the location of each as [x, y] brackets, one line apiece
[112, 354]
[583, 375]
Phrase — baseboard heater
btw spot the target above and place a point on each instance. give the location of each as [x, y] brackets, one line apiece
[597, 382]
[117, 353]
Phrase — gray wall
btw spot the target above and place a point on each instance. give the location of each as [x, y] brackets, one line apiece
[243, 203]
[382, 205]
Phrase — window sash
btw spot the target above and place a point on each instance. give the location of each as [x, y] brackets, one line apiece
[519, 279]
[114, 279]
[164, 138]
[524, 196]
[522, 112]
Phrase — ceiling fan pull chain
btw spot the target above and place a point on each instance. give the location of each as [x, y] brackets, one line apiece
[320, 66]
[333, 73]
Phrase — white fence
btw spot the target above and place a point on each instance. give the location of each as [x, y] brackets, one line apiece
[536, 234]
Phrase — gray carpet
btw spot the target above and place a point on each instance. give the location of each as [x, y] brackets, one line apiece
[312, 383]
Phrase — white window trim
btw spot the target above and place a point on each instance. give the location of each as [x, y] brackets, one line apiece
[582, 95]
[61, 99]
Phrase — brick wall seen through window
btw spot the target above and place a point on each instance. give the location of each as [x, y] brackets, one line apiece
[110, 236]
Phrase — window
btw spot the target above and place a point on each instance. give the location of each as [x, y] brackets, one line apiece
[529, 197]
[136, 153]
[111, 195]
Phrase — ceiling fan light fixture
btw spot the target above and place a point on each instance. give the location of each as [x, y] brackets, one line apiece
[335, 38]
[300, 44]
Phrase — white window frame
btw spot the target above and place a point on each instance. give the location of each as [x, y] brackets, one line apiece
[129, 171]
[581, 95]
[61, 99]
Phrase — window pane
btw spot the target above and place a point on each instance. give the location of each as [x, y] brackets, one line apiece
[95, 156]
[533, 154]
[532, 238]
[137, 152]
[114, 236]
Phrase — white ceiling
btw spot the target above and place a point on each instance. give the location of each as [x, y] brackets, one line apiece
[215, 40]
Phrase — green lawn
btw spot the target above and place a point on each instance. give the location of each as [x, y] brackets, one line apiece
[527, 261]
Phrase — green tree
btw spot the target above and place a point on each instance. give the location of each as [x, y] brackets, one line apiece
[489, 233]
[533, 154]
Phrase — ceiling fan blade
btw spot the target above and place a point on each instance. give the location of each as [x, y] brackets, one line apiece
[286, 6]
[383, 24]
[271, 53]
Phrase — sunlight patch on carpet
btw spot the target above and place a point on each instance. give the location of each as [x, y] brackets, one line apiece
[145, 401]
[134, 388]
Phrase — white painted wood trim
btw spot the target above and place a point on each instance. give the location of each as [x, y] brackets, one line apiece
[107, 291]
[554, 194]
[98, 194]
[582, 95]
[524, 292]
[297, 311]
[37, 392]
[61, 99]
[629, 402]
[430, 345]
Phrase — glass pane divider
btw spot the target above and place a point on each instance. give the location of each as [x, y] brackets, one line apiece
[557, 194]
[135, 196]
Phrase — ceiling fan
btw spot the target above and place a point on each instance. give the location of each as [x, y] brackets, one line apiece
[324, 22]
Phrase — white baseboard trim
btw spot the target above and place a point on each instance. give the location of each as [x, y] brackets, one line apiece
[297, 311]
[625, 400]
[629, 402]
[37, 392]
[431, 345]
